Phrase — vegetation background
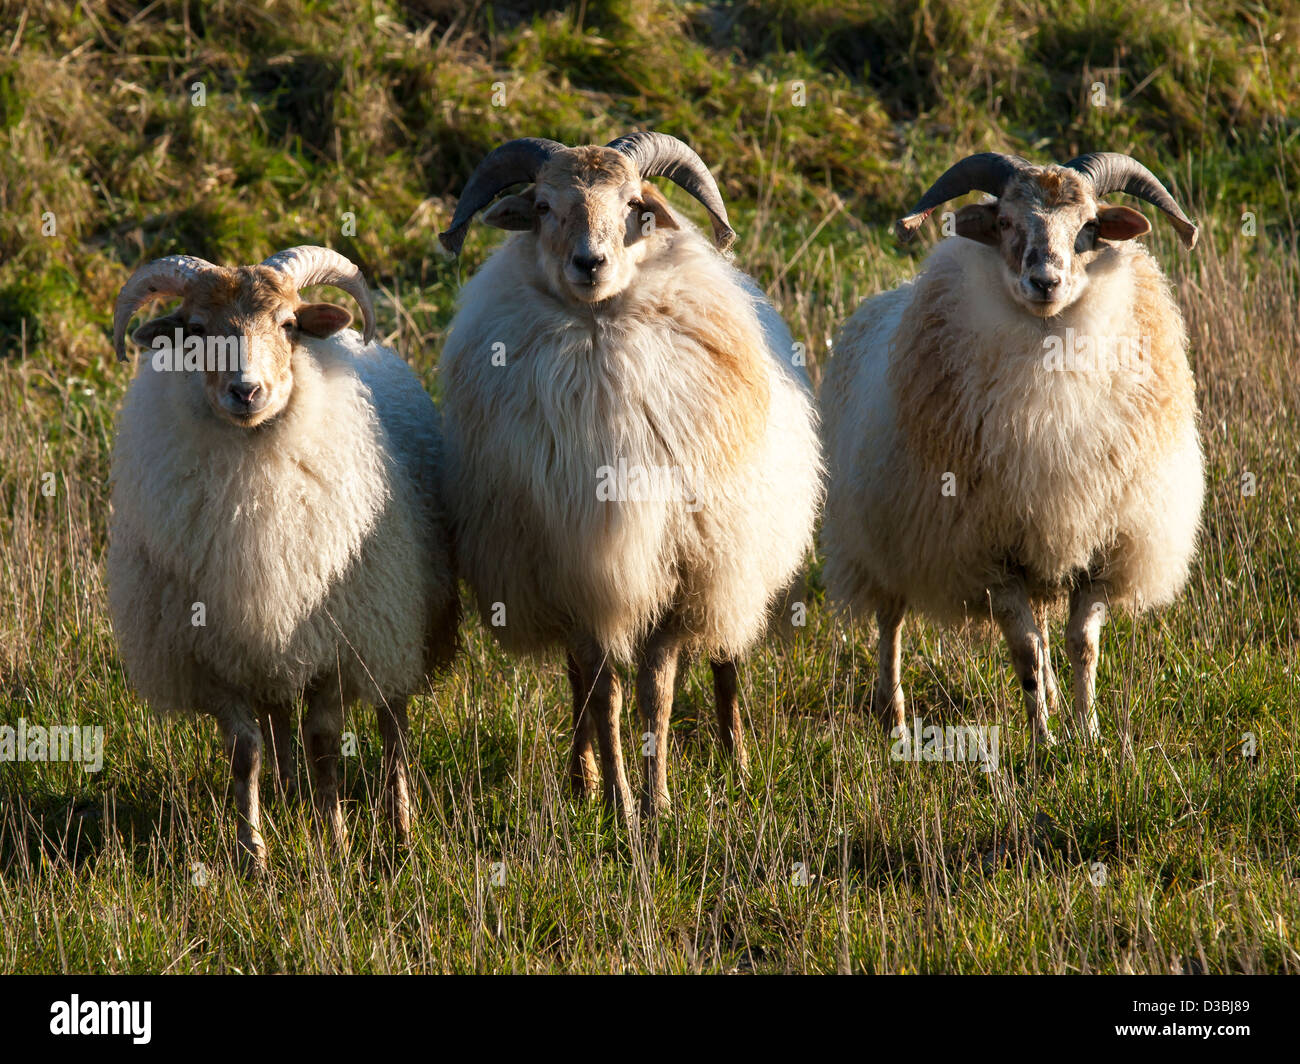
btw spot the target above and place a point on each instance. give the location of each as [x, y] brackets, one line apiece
[1175, 850]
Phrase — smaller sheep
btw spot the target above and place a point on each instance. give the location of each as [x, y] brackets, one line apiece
[276, 528]
[1017, 425]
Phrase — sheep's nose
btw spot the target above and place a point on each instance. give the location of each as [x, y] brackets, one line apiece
[1044, 285]
[588, 263]
[245, 392]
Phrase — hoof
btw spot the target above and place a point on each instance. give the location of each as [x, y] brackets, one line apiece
[582, 789]
[621, 806]
[1086, 736]
[252, 860]
[890, 711]
[655, 805]
[400, 833]
[584, 777]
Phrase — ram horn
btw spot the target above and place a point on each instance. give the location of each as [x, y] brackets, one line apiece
[513, 163]
[163, 277]
[988, 171]
[308, 265]
[1109, 171]
[659, 155]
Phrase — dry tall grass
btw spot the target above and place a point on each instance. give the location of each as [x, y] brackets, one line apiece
[1174, 851]
[834, 857]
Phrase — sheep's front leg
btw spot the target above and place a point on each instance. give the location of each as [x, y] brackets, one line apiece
[887, 700]
[322, 738]
[605, 704]
[1012, 611]
[584, 776]
[395, 730]
[1044, 629]
[243, 743]
[726, 697]
[1082, 645]
[277, 731]
[655, 683]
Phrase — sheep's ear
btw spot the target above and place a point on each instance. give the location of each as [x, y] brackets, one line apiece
[656, 205]
[512, 212]
[322, 319]
[151, 330]
[1121, 223]
[979, 221]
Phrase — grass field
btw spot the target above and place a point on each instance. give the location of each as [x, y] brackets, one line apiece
[1176, 849]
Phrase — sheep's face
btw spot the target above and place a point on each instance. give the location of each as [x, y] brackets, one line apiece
[1049, 228]
[592, 214]
[245, 324]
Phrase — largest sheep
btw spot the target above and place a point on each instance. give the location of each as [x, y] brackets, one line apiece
[276, 528]
[1017, 425]
[633, 469]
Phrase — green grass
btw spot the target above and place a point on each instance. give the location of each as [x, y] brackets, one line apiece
[382, 109]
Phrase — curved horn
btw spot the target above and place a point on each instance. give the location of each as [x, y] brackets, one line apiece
[512, 163]
[659, 155]
[168, 276]
[988, 171]
[1110, 171]
[308, 265]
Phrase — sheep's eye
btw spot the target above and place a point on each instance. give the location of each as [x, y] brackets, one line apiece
[541, 207]
[290, 326]
[636, 205]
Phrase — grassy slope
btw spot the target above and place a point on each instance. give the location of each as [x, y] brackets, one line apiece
[381, 109]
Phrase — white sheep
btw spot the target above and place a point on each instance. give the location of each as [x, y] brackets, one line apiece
[1016, 425]
[633, 467]
[276, 527]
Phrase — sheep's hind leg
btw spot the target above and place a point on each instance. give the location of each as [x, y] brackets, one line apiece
[322, 737]
[1015, 617]
[395, 730]
[605, 705]
[243, 743]
[277, 731]
[726, 696]
[584, 776]
[887, 701]
[655, 682]
[1082, 644]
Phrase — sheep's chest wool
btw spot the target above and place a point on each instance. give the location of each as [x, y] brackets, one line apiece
[1049, 440]
[1032, 445]
[1078, 417]
[256, 527]
[612, 462]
